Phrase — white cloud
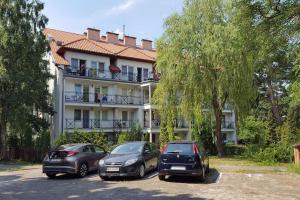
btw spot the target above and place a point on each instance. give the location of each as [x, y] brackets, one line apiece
[124, 6]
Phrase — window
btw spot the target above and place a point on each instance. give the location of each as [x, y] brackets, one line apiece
[124, 116]
[101, 67]
[104, 115]
[77, 114]
[105, 90]
[146, 73]
[94, 64]
[124, 70]
[98, 149]
[77, 89]
[147, 148]
[74, 64]
[87, 149]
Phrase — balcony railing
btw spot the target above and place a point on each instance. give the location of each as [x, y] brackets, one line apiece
[99, 124]
[179, 123]
[108, 75]
[227, 125]
[74, 97]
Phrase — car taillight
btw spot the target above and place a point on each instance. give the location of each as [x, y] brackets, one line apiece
[164, 148]
[195, 149]
[72, 153]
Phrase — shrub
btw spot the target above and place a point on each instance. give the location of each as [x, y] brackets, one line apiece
[97, 138]
[135, 134]
[233, 149]
[281, 152]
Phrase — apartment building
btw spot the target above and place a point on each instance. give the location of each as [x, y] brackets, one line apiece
[104, 83]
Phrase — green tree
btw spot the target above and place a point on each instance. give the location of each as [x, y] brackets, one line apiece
[23, 68]
[204, 59]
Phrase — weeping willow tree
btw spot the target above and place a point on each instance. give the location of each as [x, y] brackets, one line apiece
[203, 59]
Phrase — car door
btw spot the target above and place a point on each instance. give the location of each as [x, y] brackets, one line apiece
[88, 156]
[147, 153]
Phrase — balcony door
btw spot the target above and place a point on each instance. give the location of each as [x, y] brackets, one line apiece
[130, 74]
[139, 74]
[97, 119]
[86, 93]
[85, 118]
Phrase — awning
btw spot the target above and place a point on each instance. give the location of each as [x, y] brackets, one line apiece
[114, 69]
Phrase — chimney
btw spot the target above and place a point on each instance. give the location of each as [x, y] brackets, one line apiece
[129, 41]
[146, 44]
[112, 37]
[93, 34]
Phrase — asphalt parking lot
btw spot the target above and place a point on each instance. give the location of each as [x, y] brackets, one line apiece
[30, 183]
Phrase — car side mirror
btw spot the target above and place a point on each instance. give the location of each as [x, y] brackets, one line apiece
[147, 151]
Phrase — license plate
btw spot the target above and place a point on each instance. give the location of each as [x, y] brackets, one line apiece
[55, 160]
[112, 169]
[178, 168]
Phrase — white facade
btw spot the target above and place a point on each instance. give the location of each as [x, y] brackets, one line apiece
[96, 99]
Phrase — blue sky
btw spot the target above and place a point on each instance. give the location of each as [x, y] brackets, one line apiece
[142, 18]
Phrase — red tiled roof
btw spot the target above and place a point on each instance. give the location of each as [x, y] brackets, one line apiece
[79, 42]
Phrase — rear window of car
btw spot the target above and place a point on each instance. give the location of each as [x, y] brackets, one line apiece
[68, 147]
[183, 148]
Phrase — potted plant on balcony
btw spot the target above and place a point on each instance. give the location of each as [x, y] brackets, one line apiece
[93, 72]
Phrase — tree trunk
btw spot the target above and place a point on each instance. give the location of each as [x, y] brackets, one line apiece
[3, 132]
[274, 104]
[218, 117]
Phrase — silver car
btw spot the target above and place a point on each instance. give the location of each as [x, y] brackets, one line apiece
[73, 159]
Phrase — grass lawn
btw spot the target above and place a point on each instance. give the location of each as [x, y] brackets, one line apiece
[239, 165]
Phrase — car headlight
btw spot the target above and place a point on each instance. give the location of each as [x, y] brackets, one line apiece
[130, 161]
[101, 162]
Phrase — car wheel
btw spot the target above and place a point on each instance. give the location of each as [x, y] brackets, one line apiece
[51, 175]
[141, 171]
[162, 177]
[83, 170]
[202, 177]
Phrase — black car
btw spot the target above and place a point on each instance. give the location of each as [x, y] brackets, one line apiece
[129, 159]
[183, 158]
[73, 159]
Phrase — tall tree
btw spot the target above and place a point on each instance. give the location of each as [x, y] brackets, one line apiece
[23, 69]
[204, 59]
[276, 26]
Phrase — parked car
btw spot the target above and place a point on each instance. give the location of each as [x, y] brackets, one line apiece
[129, 159]
[183, 158]
[73, 159]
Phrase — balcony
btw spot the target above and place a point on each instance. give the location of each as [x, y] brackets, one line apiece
[99, 124]
[227, 125]
[155, 123]
[108, 75]
[95, 98]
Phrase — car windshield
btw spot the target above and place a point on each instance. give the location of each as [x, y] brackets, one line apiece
[129, 148]
[179, 148]
[68, 147]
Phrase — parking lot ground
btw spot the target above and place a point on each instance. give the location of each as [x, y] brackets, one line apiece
[29, 183]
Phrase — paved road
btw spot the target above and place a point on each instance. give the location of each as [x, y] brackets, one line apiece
[31, 184]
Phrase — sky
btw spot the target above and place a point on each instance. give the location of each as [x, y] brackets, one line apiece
[142, 18]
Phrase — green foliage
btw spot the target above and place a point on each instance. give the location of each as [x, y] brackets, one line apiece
[281, 152]
[134, 134]
[232, 149]
[23, 69]
[83, 137]
[42, 141]
[253, 131]
[203, 58]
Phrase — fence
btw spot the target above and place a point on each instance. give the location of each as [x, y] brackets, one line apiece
[28, 154]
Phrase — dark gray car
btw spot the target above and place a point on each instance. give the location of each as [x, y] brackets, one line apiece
[73, 159]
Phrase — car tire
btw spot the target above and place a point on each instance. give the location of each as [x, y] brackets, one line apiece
[162, 177]
[141, 171]
[202, 177]
[82, 170]
[51, 175]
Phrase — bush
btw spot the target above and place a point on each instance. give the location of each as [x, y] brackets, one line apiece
[97, 138]
[135, 134]
[233, 149]
[281, 152]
